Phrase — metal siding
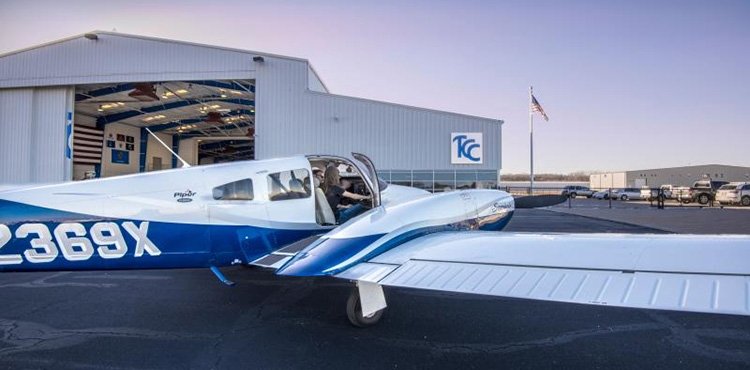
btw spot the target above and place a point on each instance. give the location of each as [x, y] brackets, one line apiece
[291, 120]
[15, 135]
[48, 134]
[115, 58]
[687, 175]
[32, 135]
[313, 81]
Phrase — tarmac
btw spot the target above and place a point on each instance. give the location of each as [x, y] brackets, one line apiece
[674, 218]
[179, 319]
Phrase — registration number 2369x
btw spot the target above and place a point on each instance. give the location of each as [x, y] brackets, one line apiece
[76, 244]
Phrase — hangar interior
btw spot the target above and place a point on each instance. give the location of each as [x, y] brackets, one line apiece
[208, 121]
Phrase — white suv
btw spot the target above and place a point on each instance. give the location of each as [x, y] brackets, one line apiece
[733, 193]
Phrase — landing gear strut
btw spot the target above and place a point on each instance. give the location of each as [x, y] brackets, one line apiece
[374, 304]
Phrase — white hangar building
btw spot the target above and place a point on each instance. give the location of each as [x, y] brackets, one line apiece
[80, 107]
[677, 176]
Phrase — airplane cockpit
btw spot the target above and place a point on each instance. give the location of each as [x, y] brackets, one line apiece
[351, 175]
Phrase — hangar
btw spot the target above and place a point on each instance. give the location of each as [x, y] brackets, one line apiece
[677, 176]
[83, 107]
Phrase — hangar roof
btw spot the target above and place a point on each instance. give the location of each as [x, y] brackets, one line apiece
[118, 57]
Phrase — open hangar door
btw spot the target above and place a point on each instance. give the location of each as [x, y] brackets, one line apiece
[203, 121]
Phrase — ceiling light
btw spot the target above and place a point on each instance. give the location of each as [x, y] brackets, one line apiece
[158, 116]
[181, 91]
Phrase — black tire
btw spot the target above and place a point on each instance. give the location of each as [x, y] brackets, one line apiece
[573, 195]
[354, 312]
[745, 201]
[624, 197]
[703, 199]
[589, 196]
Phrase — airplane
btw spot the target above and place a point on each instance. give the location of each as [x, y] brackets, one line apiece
[270, 213]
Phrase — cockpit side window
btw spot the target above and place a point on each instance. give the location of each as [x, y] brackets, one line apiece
[294, 184]
[236, 190]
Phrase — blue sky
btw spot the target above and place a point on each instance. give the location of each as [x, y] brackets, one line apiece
[627, 85]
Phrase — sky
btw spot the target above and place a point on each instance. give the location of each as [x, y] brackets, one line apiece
[626, 84]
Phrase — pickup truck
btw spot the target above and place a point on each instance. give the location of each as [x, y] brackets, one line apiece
[702, 191]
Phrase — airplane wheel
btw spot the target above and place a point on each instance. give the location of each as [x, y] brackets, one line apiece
[354, 312]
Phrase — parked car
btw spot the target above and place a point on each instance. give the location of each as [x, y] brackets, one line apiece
[650, 194]
[702, 191]
[680, 193]
[734, 193]
[626, 194]
[601, 194]
[573, 191]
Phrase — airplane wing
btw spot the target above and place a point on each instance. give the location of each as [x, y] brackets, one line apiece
[280, 256]
[700, 273]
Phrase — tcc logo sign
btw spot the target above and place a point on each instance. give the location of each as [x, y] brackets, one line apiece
[466, 148]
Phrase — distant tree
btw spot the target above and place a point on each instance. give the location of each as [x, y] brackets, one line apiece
[580, 176]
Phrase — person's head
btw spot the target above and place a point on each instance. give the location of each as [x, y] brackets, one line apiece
[331, 178]
[317, 173]
[345, 184]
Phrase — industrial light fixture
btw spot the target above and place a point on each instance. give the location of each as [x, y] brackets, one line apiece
[91, 36]
[258, 59]
[158, 116]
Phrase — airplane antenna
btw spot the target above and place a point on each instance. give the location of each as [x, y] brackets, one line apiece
[184, 163]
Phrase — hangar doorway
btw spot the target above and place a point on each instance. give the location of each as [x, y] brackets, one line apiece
[203, 121]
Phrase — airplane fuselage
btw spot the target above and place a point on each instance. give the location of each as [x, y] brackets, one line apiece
[214, 215]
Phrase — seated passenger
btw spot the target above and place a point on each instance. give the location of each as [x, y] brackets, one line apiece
[336, 189]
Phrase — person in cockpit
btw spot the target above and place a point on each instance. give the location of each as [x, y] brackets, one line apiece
[335, 190]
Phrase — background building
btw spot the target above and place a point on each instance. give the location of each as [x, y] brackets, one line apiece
[81, 106]
[678, 176]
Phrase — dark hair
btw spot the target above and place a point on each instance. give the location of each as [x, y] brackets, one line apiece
[331, 178]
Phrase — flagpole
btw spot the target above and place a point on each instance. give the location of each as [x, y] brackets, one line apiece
[531, 140]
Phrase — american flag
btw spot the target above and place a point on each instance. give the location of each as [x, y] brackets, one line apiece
[536, 107]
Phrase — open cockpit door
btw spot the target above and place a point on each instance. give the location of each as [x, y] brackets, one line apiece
[370, 176]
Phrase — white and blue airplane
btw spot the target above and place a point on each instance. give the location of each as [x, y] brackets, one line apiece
[269, 213]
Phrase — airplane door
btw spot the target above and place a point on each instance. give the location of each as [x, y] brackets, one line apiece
[370, 176]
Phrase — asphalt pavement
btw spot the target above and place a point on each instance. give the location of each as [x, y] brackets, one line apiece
[173, 319]
[689, 219]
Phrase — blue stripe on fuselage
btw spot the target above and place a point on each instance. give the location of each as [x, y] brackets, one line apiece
[180, 245]
[321, 257]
